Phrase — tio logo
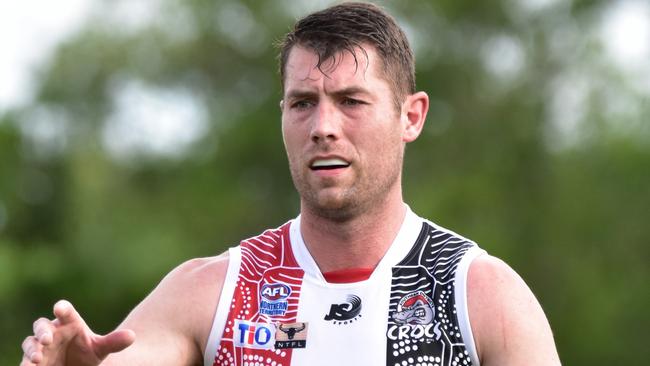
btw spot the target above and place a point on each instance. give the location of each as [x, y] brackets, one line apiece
[254, 335]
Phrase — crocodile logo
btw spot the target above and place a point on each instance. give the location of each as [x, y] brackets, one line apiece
[414, 308]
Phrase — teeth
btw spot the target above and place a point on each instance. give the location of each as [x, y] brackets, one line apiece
[328, 162]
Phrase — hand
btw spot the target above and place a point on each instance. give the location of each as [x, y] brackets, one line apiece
[68, 341]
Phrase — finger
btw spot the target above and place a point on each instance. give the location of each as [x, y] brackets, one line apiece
[43, 331]
[66, 313]
[36, 357]
[29, 345]
[26, 344]
[31, 350]
[25, 361]
[113, 342]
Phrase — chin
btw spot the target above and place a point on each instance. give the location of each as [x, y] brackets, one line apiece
[335, 214]
[334, 209]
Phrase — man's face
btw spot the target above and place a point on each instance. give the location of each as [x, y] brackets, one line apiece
[342, 133]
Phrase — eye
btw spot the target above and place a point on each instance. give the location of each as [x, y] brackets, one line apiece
[302, 104]
[351, 102]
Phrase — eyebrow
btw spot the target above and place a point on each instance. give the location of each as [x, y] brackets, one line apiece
[351, 90]
[300, 94]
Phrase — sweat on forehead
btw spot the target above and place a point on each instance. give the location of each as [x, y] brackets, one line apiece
[358, 58]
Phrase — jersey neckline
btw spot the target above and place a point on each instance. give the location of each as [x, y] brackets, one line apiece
[401, 245]
[350, 275]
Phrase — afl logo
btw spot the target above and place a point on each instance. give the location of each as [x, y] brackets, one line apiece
[274, 292]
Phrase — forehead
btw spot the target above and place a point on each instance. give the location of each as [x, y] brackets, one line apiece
[341, 70]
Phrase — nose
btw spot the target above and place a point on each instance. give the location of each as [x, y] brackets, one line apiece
[326, 124]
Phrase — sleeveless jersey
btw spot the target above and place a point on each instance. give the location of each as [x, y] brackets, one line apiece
[277, 309]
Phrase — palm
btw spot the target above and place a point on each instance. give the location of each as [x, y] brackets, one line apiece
[81, 350]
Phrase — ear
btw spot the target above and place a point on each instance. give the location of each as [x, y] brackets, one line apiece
[414, 113]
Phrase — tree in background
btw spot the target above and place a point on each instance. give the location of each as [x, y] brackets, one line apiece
[155, 139]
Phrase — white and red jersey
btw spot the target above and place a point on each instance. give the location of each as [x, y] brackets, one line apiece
[278, 309]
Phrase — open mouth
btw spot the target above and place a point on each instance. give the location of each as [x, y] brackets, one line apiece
[329, 164]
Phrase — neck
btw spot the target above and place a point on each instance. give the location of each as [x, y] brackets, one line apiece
[360, 241]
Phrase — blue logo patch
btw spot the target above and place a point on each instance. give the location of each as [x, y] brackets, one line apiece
[273, 298]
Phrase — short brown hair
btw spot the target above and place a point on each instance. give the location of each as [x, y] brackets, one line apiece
[345, 27]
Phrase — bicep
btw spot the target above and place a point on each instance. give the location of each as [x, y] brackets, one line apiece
[508, 323]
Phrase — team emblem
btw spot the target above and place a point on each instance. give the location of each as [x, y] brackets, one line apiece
[414, 319]
[414, 308]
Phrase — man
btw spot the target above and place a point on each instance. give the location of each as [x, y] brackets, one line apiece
[357, 278]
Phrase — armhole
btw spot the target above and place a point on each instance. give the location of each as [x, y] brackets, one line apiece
[223, 306]
[462, 312]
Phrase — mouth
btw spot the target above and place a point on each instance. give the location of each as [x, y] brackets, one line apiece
[329, 164]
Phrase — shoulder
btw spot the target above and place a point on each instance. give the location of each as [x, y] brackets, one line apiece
[487, 273]
[508, 323]
[198, 272]
[195, 278]
[195, 284]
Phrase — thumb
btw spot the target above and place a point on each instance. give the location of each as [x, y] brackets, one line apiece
[113, 342]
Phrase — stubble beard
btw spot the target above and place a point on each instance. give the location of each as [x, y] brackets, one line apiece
[364, 194]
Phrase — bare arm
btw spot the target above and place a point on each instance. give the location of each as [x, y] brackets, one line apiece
[170, 326]
[173, 323]
[507, 321]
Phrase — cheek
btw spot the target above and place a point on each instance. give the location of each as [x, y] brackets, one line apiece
[385, 147]
[292, 141]
[287, 134]
[381, 139]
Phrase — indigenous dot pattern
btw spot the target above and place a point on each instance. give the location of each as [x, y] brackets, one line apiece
[429, 267]
[266, 259]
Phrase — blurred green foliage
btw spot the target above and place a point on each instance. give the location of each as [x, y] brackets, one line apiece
[568, 209]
